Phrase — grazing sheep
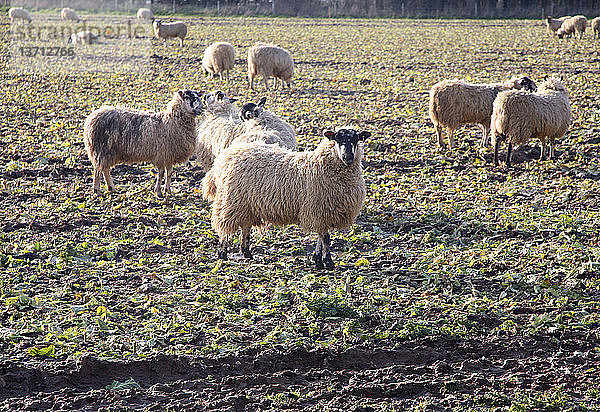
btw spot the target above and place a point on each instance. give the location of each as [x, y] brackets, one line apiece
[519, 116]
[552, 25]
[166, 30]
[18, 13]
[145, 14]
[576, 24]
[220, 127]
[118, 135]
[219, 58]
[267, 60]
[596, 27]
[264, 126]
[453, 103]
[84, 37]
[69, 14]
[254, 184]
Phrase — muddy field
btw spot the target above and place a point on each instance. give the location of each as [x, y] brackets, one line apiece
[463, 286]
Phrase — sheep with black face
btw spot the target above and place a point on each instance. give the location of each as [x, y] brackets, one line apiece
[254, 184]
[114, 135]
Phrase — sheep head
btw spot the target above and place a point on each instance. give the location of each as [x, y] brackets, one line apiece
[346, 143]
[192, 101]
[252, 110]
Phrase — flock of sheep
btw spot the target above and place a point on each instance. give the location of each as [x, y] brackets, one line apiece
[567, 26]
[254, 174]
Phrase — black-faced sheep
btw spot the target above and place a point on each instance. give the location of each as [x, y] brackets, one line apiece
[575, 24]
[168, 30]
[453, 103]
[219, 58]
[268, 60]
[519, 116]
[262, 125]
[254, 184]
[18, 13]
[118, 135]
[552, 25]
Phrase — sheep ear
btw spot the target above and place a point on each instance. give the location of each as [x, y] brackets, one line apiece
[329, 134]
[181, 93]
[232, 100]
[262, 102]
[363, 135]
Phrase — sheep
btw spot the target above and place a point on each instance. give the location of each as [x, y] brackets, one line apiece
[254, 184]
[219, 58]
[119, 135]
[552, 25]
[18, 13]
[596, 27]
[145, 14]
[166, 30]
[264, 126]
[84, 37]
[223, 126]
[519, 116]
[69, 14]
[267, 60]
[453, 103]
[220, 127]
[576, 24]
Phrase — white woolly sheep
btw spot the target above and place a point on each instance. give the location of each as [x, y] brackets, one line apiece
[267, 60]
[265, 126]
[575, 24]
[453, 103]
[219, 128]
[18, 13]
[552, 25]
[219, 58]
[596, 27]
[167, 30]
[145, 14]
[519, 116]
[118, 135]
[254, 184]
[84, 37]
[69, 14]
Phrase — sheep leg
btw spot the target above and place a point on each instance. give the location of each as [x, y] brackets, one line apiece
[180, 42]
[509, 154]
[222, 249]
[159, 180]
[543, 151]
[245, 242]
[551, 150]
[438, 132]
[266, 79]
[496, 147]
[452, 141]
[251, 81]
[485, 137]
[97, 178]
[326, 252]
[317, 255]
[169, 170]
[108, 179]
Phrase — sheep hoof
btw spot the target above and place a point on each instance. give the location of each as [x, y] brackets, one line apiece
[318, 262]
[329, 263]
[222, 254]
